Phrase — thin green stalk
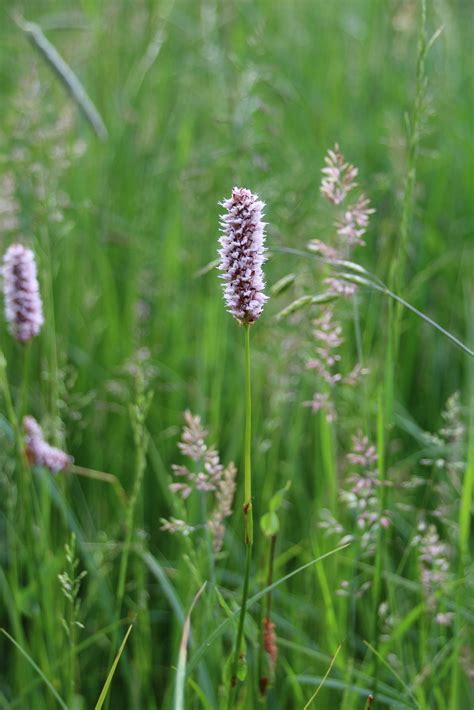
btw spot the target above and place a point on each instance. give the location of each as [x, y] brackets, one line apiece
[13, 529]
[22, 405]
[265, 613]
[141, 445]
[397, 270]
[381, 536]
[53, 382]
[24, 477]
[210, 552]
[138, 413]
[398, 265]
[248, 443]
[27, 511]
[360, 357]
[248, 516]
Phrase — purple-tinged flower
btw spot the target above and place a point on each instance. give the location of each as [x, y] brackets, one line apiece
[181, 488]
[354, 222]
[242, 255]
[175, 525]
[322, 402]
[224, 499]
[211, 478]
[340, 287]
[355, 375]
[193, 437]
[363, 453]
[326, 251]
[444, 618]
[39, 452]
[338, 176]
[193, 445]
[23, 307]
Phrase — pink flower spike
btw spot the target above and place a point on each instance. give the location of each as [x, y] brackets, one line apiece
[242, 255]
[39, 452]
[23, 307]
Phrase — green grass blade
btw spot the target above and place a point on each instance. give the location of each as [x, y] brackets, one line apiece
[168, 589]
[37, 669]
[181, 672]
[323, 679]
[66, 76]
[220, 629]
[108, 681]
[394, 673]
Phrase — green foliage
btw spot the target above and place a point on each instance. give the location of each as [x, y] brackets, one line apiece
[269, 522]
[196, 97]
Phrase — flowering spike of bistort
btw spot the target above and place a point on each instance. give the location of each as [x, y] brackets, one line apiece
[23, 307]
[39, 452]
[242, 255]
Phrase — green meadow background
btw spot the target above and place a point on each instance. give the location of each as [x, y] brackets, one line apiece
[198, 96]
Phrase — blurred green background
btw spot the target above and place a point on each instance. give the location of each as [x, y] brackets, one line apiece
[198, 96]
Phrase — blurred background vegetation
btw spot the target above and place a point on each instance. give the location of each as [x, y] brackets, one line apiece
[198, 96]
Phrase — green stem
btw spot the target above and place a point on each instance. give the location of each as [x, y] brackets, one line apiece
[248, 443]
[23, 403]
[248, 516]
[397, 270]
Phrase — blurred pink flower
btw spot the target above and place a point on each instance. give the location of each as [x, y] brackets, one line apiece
[39, 452]
[23, 307]
[338, 176]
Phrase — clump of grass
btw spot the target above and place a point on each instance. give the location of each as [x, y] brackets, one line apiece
[120, 230]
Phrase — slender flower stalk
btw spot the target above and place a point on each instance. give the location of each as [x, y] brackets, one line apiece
[23, 307]
[242, 254]
[248, 516]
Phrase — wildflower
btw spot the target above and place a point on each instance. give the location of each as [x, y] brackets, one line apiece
[338, 176]
[242, 255]
[23, 307]
[39, 452]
